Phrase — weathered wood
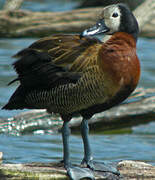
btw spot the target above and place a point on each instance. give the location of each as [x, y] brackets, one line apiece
[130, 170]
[145, 14]
[37, 24]
[11, 5]
[138, 109]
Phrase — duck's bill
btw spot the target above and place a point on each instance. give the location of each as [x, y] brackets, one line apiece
[98, 28]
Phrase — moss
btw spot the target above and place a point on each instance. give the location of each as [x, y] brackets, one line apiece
[24, 172]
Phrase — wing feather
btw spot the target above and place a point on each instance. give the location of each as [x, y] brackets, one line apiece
[55, 60]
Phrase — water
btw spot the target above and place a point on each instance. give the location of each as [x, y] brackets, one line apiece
[47, 5]
[48, 148]
[40, 147]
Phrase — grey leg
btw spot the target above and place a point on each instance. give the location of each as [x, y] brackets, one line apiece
[75, 173]
[88, 159]
[65, 138]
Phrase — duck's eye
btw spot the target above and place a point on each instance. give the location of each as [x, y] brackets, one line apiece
[115, 15]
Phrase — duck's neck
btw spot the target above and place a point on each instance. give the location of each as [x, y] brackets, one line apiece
[124, 37]
[106, 38]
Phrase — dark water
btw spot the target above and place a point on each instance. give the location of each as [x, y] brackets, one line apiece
[138, 145]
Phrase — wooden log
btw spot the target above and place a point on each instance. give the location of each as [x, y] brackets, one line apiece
[138, 109]
[21, 23]
[129, 170]
[132, 170]
[146, 22]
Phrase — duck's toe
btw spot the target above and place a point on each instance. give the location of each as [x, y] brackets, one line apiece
[77, 173]
[103, 167]
[97, 166]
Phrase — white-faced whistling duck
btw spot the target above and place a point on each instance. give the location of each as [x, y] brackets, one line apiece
[80, 74]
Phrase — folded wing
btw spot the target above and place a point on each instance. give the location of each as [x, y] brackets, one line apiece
[49, 63]
[53, 61]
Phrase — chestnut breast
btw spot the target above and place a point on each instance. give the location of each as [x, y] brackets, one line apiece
[119, 62]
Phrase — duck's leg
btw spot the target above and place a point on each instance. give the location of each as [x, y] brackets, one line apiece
[75, 173]
[65, 138]
[88, 158]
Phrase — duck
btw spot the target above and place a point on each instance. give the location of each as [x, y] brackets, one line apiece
[79, 74]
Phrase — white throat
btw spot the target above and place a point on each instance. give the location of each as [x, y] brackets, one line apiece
[106, 38]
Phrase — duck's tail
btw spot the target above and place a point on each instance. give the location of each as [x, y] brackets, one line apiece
[17, 100]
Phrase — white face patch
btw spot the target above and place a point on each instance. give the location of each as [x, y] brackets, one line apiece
[112, 17]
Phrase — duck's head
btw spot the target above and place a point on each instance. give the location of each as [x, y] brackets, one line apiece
[114, 18]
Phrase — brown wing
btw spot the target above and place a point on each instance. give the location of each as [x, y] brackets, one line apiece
[55, 60]
[67, 50]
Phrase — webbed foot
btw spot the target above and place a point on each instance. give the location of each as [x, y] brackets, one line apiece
[77, 173]
[97, 166]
